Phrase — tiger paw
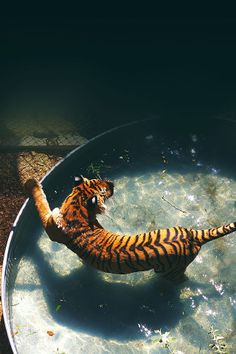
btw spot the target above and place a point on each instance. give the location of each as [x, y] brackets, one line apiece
[55, 216]
[30, 184]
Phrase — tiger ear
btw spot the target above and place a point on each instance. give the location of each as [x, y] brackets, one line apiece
[78, 180]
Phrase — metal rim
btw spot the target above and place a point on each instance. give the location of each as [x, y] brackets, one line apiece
[5, 309]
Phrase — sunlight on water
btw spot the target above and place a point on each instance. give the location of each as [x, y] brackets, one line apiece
[69, 308]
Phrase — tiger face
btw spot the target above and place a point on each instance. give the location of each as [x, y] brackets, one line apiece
[94, 193]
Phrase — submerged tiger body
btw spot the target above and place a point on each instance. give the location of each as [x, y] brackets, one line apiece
[167, 251]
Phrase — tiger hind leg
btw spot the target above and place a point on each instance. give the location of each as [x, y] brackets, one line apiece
[176, 275]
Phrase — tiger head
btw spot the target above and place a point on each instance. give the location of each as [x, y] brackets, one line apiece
[86, 200]
[88, 196]
[94, 193]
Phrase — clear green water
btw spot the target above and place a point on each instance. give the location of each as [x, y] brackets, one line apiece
[93, 312]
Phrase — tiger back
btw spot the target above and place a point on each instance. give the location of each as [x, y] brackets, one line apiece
[168, 251]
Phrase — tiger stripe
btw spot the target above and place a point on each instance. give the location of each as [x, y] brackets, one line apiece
[168, 251]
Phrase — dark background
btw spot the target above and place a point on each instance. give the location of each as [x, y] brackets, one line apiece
[104, 70]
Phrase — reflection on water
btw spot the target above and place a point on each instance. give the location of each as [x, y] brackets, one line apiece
[94, 312]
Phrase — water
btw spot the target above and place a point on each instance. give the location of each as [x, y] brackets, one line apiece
[89, 311]
[62, 305]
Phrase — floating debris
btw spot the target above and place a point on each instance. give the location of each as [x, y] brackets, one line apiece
[182, 211]
[58, 307]
[50, 333]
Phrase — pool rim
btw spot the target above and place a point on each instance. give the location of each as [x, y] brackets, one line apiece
[5, 309]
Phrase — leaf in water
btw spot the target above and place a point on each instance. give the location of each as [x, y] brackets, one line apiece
[50, 333]
[58, 307]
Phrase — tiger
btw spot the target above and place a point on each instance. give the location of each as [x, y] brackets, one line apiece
[168, 251]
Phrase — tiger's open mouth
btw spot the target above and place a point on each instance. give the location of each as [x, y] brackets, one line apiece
[101, 206]
[105, 193]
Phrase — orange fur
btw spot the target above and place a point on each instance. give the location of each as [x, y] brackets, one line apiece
[167, 251]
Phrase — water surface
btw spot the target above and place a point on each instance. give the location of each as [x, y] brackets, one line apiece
[62, 305]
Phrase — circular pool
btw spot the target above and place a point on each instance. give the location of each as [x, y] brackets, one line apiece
[165, 174]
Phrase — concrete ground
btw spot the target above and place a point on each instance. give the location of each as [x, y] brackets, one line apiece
[15, 169]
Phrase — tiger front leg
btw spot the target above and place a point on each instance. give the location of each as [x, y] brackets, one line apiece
[34, 189]
[48, 218]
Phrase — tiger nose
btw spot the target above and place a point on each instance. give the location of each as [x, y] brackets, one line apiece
[111, 186]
